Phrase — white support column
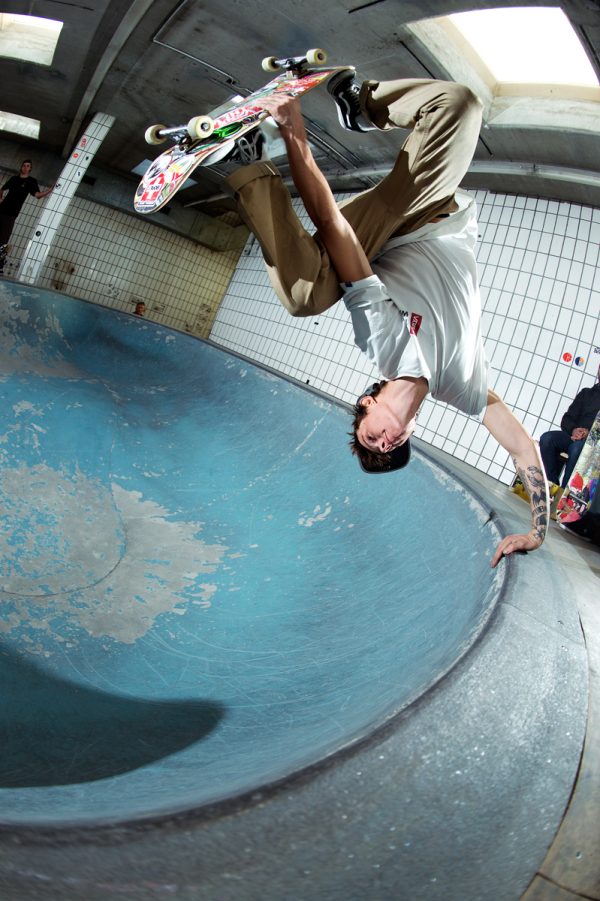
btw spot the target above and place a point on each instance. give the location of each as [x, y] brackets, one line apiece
[58, 201]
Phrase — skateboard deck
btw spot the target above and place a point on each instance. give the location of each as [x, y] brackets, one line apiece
[202, 135]
[4, 252]
[580, 494]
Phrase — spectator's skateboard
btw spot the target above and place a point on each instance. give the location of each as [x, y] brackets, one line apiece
[579, 497]
[197, 140]
[4, 251]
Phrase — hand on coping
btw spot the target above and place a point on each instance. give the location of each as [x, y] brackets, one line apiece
[512, 543]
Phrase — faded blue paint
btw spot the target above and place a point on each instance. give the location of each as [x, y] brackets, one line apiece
[201, 592]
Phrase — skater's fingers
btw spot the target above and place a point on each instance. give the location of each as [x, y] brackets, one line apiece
[284, 108]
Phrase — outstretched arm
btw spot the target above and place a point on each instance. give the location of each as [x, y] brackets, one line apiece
[341, 243]
[40, 194]
[508, 431]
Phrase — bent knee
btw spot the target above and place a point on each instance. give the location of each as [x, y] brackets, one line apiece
[463, 99]
[300, 302]
[305, 297]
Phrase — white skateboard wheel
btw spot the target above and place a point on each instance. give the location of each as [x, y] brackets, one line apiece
[153, 134]
[200, 127]
[270, 64]
[316, 57]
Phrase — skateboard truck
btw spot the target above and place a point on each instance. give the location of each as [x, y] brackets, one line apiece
[198, 127]
[295, 64]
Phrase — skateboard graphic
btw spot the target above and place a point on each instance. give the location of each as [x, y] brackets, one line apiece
[578, 499]
[197, 140]
[4, 251]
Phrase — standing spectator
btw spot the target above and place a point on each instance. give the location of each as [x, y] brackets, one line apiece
[574, 428]
[13, 195]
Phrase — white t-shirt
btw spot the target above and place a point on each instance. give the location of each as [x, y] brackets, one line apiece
[420, 314]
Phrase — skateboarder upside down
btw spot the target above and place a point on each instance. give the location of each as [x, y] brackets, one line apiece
[401, 256]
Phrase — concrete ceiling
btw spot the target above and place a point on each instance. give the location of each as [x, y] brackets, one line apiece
[151, 61]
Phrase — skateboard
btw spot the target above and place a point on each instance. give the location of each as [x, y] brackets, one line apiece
[580, 496]
[4, 251]
[196, 141]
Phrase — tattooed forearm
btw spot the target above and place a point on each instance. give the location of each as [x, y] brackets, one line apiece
[534, 482]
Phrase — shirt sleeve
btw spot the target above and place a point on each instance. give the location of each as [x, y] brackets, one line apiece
[381, 330]
[571, 419]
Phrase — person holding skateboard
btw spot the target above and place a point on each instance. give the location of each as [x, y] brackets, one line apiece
[572, 435]
[401, 255]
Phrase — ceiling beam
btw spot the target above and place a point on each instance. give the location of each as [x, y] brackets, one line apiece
[128, 24]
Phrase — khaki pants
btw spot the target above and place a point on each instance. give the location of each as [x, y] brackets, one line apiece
[445, 119]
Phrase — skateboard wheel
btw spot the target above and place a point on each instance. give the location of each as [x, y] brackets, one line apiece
[153, 134]
[200, 127]
[270, 64]
[316, 57]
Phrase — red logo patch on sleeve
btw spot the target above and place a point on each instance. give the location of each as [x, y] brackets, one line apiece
[415, 323]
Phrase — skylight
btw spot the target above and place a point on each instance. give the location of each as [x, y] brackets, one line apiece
[29, 38]
[527, 65]
[19, 125]
[527, 45]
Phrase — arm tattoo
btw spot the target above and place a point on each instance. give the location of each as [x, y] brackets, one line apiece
[534, 481]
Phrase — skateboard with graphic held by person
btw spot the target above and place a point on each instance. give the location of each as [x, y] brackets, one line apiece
[4, 251]
[579, 507]
[201, 141]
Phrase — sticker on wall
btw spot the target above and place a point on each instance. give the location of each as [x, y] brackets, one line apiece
[578, 361]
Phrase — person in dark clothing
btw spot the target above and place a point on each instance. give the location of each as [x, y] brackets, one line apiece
[574, 428]
[13, 195]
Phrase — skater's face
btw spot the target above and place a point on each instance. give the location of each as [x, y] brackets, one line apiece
[25, 168]
[380, 430]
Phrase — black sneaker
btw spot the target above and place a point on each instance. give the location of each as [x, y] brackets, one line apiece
[345, 90]
[259, 144]
[248, 148]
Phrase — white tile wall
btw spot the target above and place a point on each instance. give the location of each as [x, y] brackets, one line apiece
[50, 220]
[118, 259]
[540, 286]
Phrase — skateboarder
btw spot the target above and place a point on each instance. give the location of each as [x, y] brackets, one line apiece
[402, 257]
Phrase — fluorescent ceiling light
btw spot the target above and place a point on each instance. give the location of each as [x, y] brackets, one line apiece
[29, 38]
[19, 125]
[527, 45]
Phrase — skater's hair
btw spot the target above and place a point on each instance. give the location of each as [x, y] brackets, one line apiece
[368, 457]
[27, 161]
